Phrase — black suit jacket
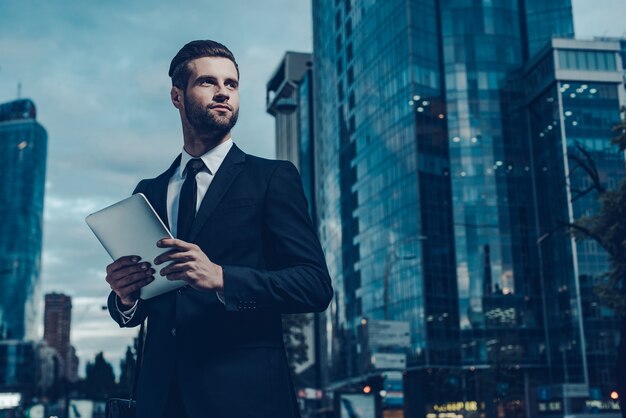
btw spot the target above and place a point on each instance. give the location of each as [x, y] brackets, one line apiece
[230, 358]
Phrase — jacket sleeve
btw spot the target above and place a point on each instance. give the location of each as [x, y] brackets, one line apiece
[296, 279]
[137, 318]
[141, 312]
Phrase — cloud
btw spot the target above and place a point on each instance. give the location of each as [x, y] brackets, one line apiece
[98, 76]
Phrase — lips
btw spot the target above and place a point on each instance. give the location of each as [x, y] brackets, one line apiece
[220, 107]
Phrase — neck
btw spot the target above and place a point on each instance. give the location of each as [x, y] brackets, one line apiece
[199, 144]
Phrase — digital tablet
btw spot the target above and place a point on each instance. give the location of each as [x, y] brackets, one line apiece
[132, 227]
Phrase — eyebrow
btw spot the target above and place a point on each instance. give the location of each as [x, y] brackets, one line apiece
[202, 78]
[205, 77]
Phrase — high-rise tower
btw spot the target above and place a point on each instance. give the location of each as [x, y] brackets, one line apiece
[23, 149]
[413, 183]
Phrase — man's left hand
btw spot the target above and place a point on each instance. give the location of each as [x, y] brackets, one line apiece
[191, 264]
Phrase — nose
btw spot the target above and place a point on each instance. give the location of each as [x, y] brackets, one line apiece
[222, 93]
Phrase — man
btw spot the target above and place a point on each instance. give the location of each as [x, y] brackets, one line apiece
[245, 247]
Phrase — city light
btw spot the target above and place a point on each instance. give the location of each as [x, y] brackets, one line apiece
[10, 400]
[614, 395]
[367, 389]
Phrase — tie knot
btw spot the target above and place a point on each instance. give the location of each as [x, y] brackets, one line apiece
[194, 166]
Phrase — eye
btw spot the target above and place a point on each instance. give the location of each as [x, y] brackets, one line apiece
[207, 82]
[232, 84]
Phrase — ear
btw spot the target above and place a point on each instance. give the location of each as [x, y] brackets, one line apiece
[176, 95]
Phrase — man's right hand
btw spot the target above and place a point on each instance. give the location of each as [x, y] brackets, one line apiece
[126, 276]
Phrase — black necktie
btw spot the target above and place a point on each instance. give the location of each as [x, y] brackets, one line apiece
[188, 199]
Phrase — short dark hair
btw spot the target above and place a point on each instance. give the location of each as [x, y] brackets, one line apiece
[179, 70]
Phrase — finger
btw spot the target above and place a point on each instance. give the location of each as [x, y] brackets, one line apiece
[126, 271]
[174, 268]
[128, 290]
[132, 279]
[122, 262]
[175, 255]
[174, 243]
[178, 276]
[129, 280]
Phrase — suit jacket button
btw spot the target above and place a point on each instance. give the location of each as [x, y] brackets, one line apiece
[173, 332]
[181, 291]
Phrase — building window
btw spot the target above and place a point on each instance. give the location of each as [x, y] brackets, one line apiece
[587, 60]
[339, 66]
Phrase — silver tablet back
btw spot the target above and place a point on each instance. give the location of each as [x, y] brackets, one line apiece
[132, 227]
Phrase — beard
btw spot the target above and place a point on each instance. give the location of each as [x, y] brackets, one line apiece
[204, 122]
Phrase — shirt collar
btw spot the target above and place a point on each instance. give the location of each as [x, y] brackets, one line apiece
[212, 159]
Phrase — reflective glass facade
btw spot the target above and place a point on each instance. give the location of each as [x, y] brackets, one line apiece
[383, 178]
[545, 19]
[433, 201]
[413, 182]
[23, 148]
[570, 120]
[482, 45]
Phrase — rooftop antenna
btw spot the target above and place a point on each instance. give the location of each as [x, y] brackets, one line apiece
[19, 90]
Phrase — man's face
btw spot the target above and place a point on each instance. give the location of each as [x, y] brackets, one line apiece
[211, 100]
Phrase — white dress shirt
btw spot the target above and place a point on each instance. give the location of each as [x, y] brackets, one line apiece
[212, 160]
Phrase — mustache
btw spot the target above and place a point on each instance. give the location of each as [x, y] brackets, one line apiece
[220, 105]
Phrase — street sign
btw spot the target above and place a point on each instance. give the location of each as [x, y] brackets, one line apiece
[393, 389]
[393, 334]
[389, 361]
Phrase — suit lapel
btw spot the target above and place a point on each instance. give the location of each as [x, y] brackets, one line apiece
[159, 192]
[226, 174]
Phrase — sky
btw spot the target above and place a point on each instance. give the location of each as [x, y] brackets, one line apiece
[97, 71]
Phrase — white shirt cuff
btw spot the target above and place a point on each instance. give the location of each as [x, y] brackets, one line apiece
[220, 297]
[126, 315]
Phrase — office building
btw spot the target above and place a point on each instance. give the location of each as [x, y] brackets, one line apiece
[23, 148]
[574, 91]
[27, 368]
[409, 130]
[428, 199]
[57, 325]
[290, 101]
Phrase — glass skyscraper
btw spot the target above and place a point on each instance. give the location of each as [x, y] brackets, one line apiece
[23, 149]
[429, 198]
[411, 157]
[574, 92]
